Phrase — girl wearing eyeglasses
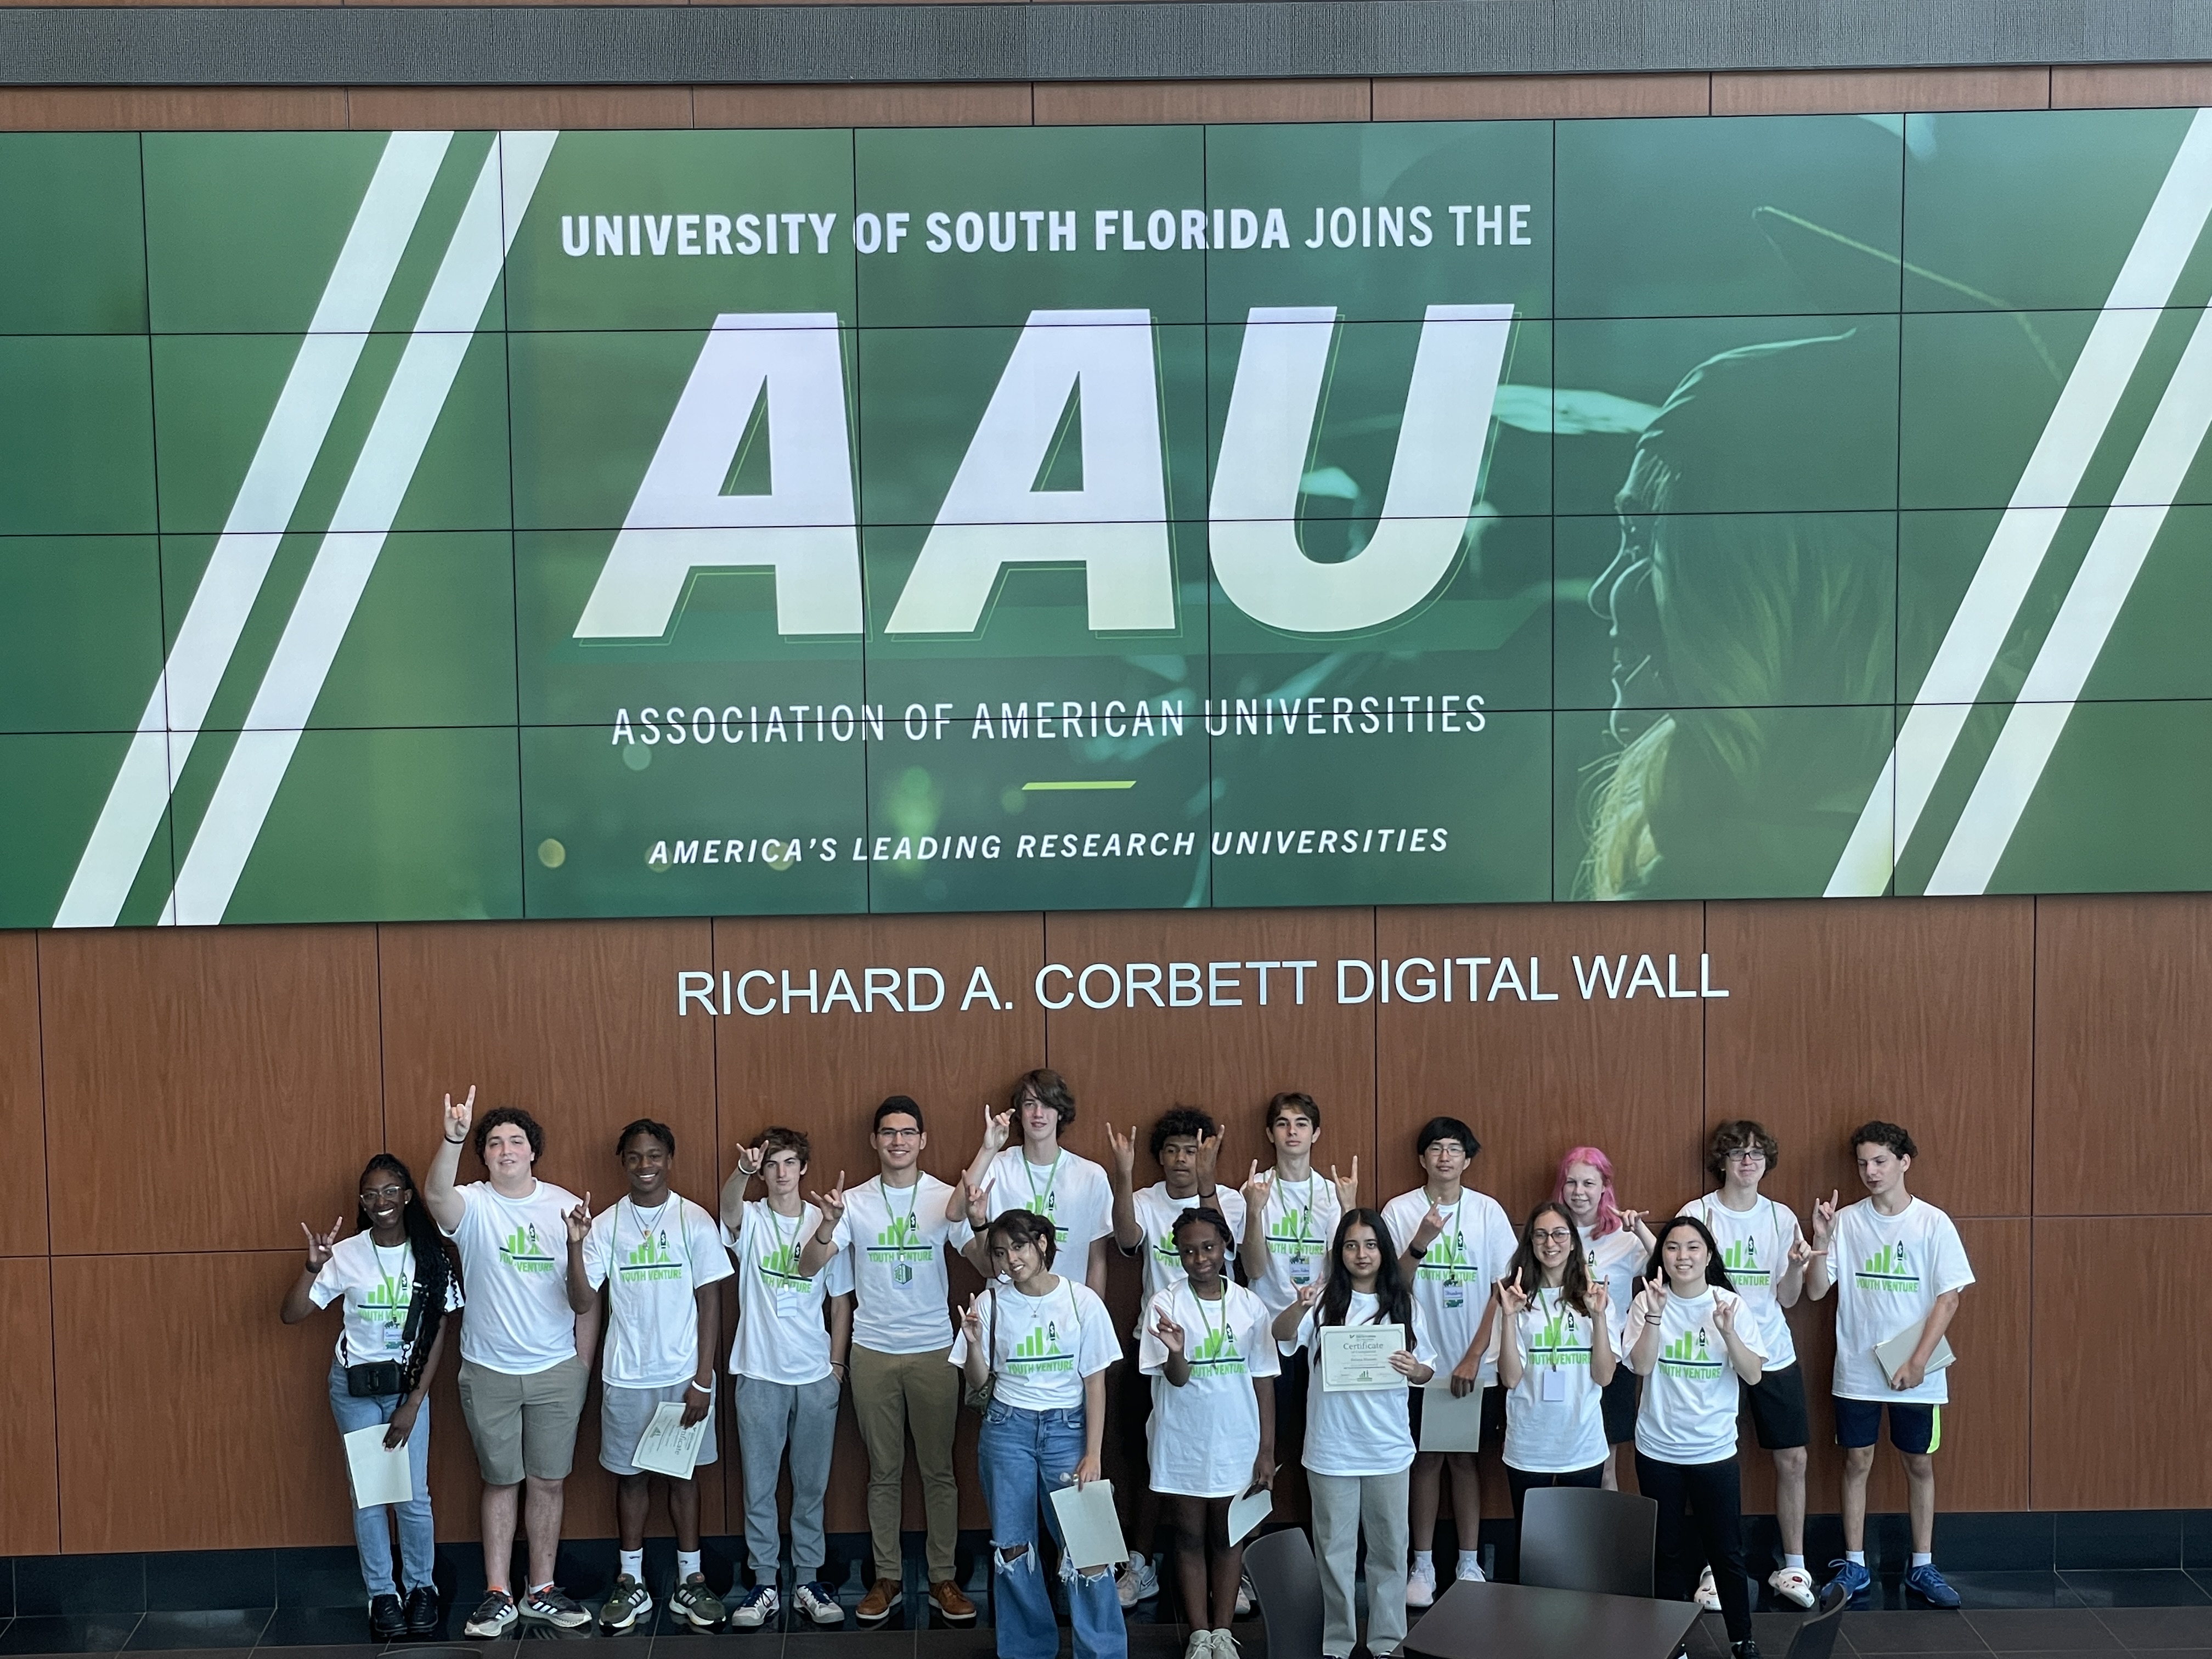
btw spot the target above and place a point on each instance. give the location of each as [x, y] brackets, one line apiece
[1555, 1357]
[397, 1285]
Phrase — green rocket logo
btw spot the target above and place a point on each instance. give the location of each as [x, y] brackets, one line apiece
[1887, 1271]
[649, 1261]
[900, 1242]
[1447, 1258]
[387, 1303]
[780, 1265]
[1557, 1344]
[1741, 1259]
[1289, 1234]
[1687, 1356]
[1218, 1352]
[1040, 1352]
[521, 1251]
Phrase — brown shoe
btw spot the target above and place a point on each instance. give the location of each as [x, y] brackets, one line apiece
[876, 1606]
[952, 1606]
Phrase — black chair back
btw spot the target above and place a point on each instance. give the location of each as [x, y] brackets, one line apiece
[1816, 1637]
[1288, 1582]
[1581, 1538]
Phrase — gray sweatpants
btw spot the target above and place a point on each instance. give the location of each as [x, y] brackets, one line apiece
[769, 1414]
[1344, 1504]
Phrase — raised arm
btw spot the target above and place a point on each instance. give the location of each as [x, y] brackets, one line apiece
[1819, 1274]
[998, 1128]
[1603, 1361]
[1748, 1365]
[1256, 1189]
[583, 1299]
[1650, 1306]
[1285, 1326]
[1128, 1231]
[442, 1197]
[1095, 1274]
[734, 1190]
[298, 1303]
[1509, 1302]
[822, 1242]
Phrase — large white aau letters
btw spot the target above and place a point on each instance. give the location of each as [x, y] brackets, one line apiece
[1268, 434]
[1115, 527]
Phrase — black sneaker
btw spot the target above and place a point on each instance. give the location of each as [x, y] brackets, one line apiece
[1746, 1648]
[385, 1621]
[495, 1616]
[422, 1611]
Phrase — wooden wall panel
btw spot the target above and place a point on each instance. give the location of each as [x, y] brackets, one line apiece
[30, 1519]
[239, 1066]
[189, 1417]
[1854, 91]
[2123, 1363]
[2123, 1055]
[1078, 103]
[165, 109]
[1533, 1078]
[1540, 97]
[2130, 86]
[553, 108]
[950, 104]
[1920, 1013]
[22, 1100]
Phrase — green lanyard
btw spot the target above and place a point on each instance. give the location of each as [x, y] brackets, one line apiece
[1205, 1324]
[1029, 1170]
[789, 1240]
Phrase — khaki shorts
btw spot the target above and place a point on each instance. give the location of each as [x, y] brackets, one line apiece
[523, 1425]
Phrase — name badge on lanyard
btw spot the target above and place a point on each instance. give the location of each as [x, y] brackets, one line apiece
[1302, 1271]
[1554, 1385]
[791, 1301]
[1455, 1292]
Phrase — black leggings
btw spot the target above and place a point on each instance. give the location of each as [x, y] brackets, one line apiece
[1519, 1483]
[1706, 1496]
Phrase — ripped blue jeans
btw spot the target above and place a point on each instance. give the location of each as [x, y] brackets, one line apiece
[1022, 1455]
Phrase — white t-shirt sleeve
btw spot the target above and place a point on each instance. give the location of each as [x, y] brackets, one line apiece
[1501, 1240]
[1952, 1271]
[1152, 1352]
[1425, 1351]
[1747, 1323]
[599, 1249]
[1300, 1337]
[702, 1245]
[333, 1281]
[1097, 1348]
[1261, 1357]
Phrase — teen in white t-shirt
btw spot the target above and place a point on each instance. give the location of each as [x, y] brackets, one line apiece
[1455, 1243]
[659, 1256]
[1041, 1176]
[1043, 1343]
[1554, 1355]
[789, 1363]
[1765, 1254]
[1690, 1338]
[1615, 1246]
[512, 1231]
[1896, 1263]
[1208, 1347]
[893, 1232]
[1359, 1443]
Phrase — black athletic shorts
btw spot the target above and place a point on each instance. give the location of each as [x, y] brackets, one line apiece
[1618, 1405]
[1777, 1405]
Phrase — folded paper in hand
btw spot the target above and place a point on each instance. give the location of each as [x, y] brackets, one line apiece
[1248, 1514]
[667, 1447]
[1892, 1355]
[378, 1476]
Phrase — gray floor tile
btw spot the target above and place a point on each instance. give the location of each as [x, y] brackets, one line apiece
[2043, 1629]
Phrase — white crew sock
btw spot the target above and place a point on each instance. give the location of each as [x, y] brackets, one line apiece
[1424, 1561]
[1796, 1561]
[632, 1562]
[687, 1563]
[1923, 1559]
[1469, 1561]
[1856, 1557]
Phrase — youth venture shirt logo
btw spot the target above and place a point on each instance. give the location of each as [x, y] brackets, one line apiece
[522, 1252]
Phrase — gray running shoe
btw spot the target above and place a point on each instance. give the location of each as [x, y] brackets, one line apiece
[494, 1617]
[626, 1603]
[554, 1606]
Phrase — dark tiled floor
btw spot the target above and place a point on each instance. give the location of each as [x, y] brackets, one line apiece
[2051, 1615]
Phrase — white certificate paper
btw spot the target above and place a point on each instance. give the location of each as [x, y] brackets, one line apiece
[1450, 1425]
[1358, 1357]
[379, 1476]
[1089, 1527]
[1248, 1513]
[667, 1447]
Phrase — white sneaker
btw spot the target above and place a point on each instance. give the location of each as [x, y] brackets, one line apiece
[1138, 1582]
[1793, 1584]
[1201, 1645]
[1471, 1573]
[1224, 1645]
[1245, 1601]
[1421, 1585]
[1708, 1597]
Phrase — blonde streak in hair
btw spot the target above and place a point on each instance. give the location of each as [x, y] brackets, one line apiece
[1620, 845]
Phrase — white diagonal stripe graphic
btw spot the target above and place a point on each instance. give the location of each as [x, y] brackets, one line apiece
[2085, 620]
[2046, 487]
[348, 556]
[289, 444]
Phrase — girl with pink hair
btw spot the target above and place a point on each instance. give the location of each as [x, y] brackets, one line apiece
[1616, 1243]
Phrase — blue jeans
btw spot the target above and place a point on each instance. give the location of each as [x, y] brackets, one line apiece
[1022, 1455]
[372, 1532]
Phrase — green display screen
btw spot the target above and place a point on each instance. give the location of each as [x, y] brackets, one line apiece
[437, 525]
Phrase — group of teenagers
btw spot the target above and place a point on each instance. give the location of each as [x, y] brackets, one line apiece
[1589, 1328]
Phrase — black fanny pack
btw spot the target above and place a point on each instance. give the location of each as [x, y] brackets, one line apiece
[382, 1377]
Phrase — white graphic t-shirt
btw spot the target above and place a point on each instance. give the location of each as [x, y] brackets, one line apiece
[1071, 1190]
[782, 1336]
[1043, 1347]
[1687, 1412]
[1301, 1217]
[655, 1261]
[378, 1284]
[1554, 1416]
[1889, 1270]
[514, 1259]
[1451, 1282]
[894, 1240]
[1155, 1214]
[1358, 1430]
[1755, 1250]
[1617, 1261]
[1206, 1434]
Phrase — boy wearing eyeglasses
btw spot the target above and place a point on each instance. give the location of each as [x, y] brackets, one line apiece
[1765, 1254]
[898, 1228]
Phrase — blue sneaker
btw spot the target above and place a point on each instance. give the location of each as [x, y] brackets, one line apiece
[1853, 1577]
[1928, 1584]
